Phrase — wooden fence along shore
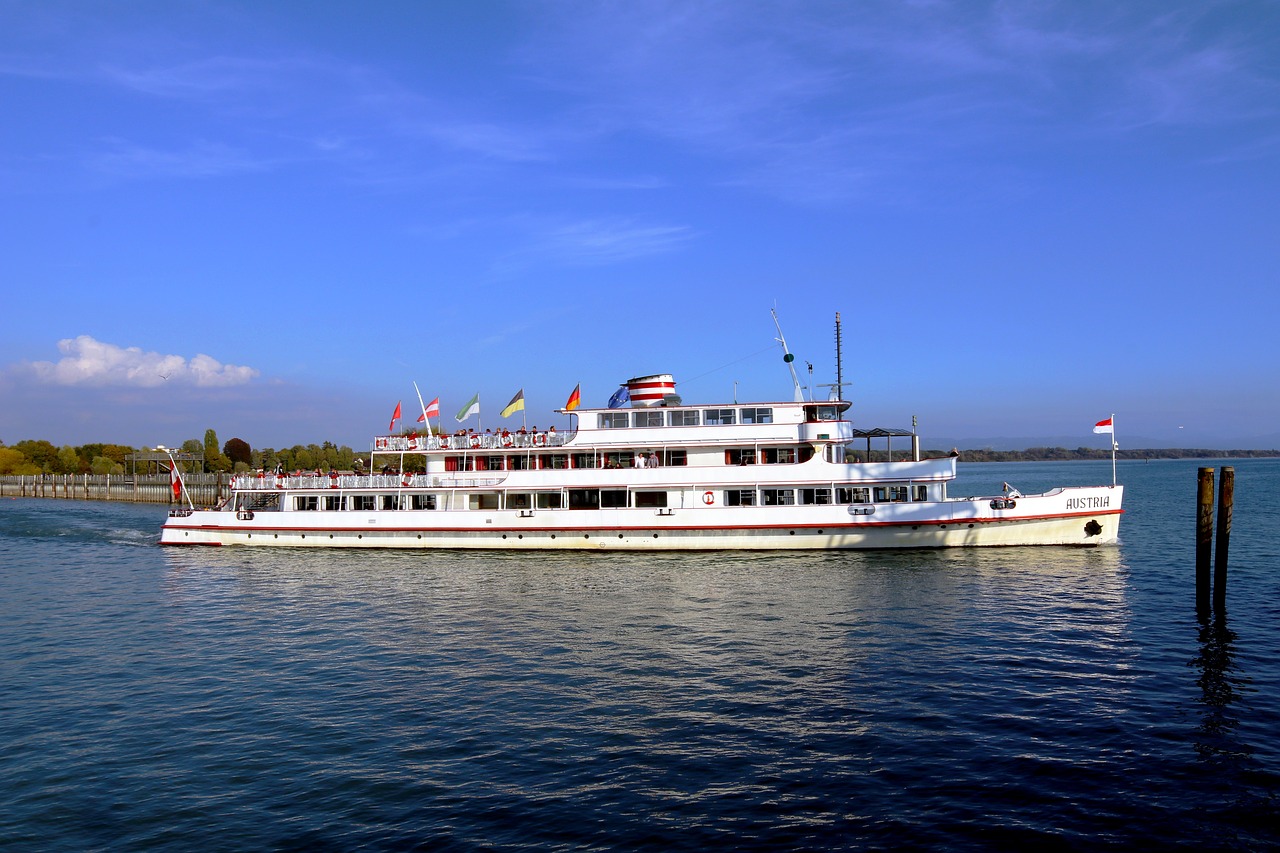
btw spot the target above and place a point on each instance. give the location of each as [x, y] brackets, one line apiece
[205, 489]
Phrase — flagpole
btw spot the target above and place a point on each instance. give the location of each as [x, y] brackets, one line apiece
[1113, 449]
[182, 484]
[426, 420]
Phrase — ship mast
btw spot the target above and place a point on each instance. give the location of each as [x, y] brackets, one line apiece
[788, 358]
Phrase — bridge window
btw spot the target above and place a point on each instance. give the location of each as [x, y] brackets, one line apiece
[684, 418]
[719, 417]
[757, 416]
[646, 418]
[613, 420]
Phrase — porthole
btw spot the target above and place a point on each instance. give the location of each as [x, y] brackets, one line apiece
[419, 536]
[619, 535]
[792, 533]
[519, 535]
[971, 525]
[275, 535]
[553, 536]
[504, 536]
[655, 536]
[359, 535]
[586, 536]
[330, 535]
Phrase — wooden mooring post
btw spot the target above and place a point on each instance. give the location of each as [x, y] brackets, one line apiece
[1204, 537]
[1226, 503]
[1205, 540]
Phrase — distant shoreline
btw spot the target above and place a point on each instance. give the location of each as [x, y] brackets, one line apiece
[1062, 454]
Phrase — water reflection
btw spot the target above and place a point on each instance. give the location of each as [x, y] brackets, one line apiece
[1221, 685]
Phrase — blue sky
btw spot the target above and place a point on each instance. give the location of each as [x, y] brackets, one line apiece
[270, 219]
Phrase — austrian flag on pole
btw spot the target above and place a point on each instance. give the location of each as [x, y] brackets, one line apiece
[1104, 426]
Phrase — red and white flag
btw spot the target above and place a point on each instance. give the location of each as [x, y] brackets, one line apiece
[395, 416]
[1104, 426]
[431, 411]
[175, 482]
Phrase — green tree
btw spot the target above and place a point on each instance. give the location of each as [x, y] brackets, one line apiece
[68, 460]
[12, 461]
[103, 465]
[40, 453]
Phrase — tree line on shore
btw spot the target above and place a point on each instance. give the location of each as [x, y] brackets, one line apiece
[36, 456]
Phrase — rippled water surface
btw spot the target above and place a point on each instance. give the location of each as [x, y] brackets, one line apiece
[243, 699]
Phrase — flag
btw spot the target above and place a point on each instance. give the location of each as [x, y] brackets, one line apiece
[574, 399]
[620, 398]
[395, 416]
[175, 482]
[432, 410]
[516, 404]
[471, 408]
[1104, 426]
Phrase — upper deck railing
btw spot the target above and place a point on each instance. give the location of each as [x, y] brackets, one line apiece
[504, 440]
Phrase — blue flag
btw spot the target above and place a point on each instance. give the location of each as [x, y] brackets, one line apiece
[620, 398]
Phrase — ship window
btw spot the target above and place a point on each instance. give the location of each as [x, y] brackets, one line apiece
[549, 500]
[390, 501]
[584, 499]
[613, 420]
[519, 500]
[362, 502]
[777, 497]
[613, 497]
[518, 463]
[815, 496]
[332, 503]
[859, 495]
[554, 460]
[306, 502]
[675, 457]
[821, 413]
[739, 497]
[646, 419]
[424, 502]
[651, 499]
[684, 418]
[757, 416]
[778, 455]
[891, 493]
[584, 460]
[494, 463]
[719, 417]
[922, 493]
[482, 500]
[624, 459]
[740, 456]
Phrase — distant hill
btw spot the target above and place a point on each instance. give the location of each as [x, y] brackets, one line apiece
[1055, 454]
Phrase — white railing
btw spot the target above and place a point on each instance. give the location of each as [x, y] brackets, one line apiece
[471, 441]
[268, 482]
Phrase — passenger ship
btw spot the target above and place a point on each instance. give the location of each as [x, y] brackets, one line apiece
[657, 475]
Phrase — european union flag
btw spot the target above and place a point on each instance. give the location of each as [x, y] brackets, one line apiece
[620, 398]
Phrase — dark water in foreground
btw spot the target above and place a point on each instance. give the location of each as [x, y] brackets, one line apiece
[247, 700]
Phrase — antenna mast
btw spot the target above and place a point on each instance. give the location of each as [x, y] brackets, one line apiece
[839, 361]
[788, 358]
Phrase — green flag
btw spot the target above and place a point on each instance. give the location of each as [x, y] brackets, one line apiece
[471, 408]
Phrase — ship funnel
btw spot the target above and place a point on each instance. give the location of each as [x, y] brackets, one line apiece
[650, 390]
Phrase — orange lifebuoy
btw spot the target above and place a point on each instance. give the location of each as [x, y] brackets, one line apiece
[708, 498]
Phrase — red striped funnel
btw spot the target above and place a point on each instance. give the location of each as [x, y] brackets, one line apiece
[650, 390]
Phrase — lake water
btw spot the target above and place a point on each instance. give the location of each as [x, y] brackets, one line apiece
[241, 699]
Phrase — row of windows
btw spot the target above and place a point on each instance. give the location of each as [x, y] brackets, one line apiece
[685, 417]
[525, 462]
[617, 498]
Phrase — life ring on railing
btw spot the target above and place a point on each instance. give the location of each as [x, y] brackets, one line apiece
[507, 441]
[539, 439]
[475, 441]
[708, 498]
[333, 479]
[407, 481]
[444, 442]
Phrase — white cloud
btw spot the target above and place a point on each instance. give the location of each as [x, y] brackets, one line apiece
[87, 361]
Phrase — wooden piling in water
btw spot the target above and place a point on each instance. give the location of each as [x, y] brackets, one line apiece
[1226, 503]
[1204, 537]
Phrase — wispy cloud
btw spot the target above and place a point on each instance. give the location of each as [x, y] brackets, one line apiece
[87, 361]
[596, 243]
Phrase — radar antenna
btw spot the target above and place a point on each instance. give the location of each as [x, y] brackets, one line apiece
[788, 358]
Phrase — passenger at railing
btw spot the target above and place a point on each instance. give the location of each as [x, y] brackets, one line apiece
[641, 460]
[653, 460]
